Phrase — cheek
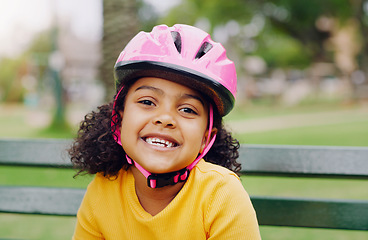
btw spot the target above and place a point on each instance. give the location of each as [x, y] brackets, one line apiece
[132, 123]
[198, 134]
[126, 126]
[128, 135]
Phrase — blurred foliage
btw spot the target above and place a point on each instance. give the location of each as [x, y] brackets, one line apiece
[216, 11]
[298, 19]
[31, 73]
[32, 61]
[279, 50]
[297, 40]
[284, 33]
[10, 83]
[272, 44]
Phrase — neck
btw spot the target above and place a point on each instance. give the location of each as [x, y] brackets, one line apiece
[153, 200]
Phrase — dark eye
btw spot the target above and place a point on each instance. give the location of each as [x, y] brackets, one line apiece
[188, 110]
[147, 102]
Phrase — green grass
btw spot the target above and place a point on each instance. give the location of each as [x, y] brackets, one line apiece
[46, 177]
[306, 187]
[349, 133]
[344, 134]
[13, 226]
[285, 233]
[265, 109]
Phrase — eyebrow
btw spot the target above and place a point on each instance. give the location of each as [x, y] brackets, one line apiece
[194, 97]
[150, 88]
[161, 92]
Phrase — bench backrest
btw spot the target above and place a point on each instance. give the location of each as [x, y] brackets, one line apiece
[270, 160]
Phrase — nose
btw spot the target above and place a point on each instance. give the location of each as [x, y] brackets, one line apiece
[165, 120]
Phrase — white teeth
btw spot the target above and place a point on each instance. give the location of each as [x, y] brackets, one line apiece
[159, 142]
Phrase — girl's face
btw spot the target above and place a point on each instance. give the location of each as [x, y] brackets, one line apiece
[163, 124]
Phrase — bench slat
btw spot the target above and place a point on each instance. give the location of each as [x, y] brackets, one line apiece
[35, 152]
[300, 161]
[305, 161]
[40, 200]
[326, 213]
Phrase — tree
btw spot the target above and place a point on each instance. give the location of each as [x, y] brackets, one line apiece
[120, 25]
[341, 23]
[291, 33]
[300, 20]
[360, 11]
[254, 32]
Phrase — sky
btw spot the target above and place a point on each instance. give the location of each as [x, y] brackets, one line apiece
[21, 20]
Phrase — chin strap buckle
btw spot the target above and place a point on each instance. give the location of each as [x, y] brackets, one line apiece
[165, 179]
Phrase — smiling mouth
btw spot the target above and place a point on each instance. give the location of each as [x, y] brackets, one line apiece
[160, 142]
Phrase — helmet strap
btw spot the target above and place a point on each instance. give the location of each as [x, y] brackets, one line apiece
[114, 121]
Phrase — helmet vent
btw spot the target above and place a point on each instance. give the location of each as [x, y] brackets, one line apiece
[206, 46]
[177, 40]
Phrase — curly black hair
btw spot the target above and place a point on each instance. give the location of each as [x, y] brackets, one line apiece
[96, 151]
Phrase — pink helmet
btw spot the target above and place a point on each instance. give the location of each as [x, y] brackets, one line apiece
[183, 54]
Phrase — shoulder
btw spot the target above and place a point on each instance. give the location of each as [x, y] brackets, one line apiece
[103, 193]
[221, 186]
[219, 182]
[102, 186]
[229, 212]
[101, 180]
[212, 171]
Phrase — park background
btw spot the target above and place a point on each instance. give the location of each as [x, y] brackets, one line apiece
[302, 80]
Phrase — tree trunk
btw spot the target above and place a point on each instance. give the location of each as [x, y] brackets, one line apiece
[358, 7]
[120, 25]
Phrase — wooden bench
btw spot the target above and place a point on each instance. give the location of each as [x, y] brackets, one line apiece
[291, 161]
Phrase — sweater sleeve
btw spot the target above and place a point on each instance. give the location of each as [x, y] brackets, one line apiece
[86, 227]
[230, 213]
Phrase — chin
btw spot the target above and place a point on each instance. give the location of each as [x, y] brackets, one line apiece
[163, 169]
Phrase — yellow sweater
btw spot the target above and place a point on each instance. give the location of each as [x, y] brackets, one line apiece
[211, 205]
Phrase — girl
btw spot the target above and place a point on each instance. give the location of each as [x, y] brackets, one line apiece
[165, 166]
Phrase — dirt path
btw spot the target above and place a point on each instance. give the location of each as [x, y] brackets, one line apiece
[299, 120]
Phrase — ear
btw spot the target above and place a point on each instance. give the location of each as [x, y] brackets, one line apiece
[213, 132]
[121, 113]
